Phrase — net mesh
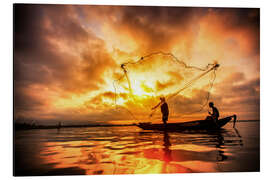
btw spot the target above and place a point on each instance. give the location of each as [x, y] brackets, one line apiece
[142, 82]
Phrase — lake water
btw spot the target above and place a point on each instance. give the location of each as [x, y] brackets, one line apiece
[130, 150]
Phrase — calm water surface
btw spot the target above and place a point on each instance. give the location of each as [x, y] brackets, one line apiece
[130, 150]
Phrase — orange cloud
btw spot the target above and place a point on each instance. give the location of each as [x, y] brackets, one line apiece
[66, 58]
[161, 86]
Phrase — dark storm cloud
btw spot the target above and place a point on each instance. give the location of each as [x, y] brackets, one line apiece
[38, 59]
[27, 27]
[26, 102]
[247, 19]
[153, 28]
[239, 17]
[236, 85]
[32, 51]
[239, 95]
[158, 27]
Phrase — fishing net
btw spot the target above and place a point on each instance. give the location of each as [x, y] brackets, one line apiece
[142, 82]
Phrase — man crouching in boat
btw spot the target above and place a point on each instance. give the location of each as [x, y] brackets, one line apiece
[164, 110]
[214, 115]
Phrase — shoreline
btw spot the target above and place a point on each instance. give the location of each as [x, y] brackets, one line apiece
[30, 127]
[24, 126]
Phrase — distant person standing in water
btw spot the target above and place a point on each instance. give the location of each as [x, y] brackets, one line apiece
[59, 125]
[164, 110]
[215, 114]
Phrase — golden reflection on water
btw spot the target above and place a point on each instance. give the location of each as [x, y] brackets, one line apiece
[98, 161]
[138, 153]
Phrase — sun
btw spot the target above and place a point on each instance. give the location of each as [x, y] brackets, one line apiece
[143, 88]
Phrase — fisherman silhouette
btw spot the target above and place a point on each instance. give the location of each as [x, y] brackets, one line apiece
[215, 113]
[164, 109]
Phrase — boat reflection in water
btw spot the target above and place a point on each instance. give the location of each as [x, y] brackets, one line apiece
[130, 150]
[214, 150]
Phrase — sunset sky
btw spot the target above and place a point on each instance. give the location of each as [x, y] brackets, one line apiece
[67, 57]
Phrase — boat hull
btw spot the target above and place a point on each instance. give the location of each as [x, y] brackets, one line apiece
[193, 125]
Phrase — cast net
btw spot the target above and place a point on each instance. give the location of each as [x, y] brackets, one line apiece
[142, 82]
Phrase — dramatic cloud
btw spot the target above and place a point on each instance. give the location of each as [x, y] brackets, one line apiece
[55, 54]
[67, 57]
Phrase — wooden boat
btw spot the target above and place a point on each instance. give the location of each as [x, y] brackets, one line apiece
[193, 125]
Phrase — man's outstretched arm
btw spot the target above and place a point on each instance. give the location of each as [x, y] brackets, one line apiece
[156, 106]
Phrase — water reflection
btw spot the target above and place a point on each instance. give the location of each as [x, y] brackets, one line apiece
[203, 146]
[166, 149]
[129, 151]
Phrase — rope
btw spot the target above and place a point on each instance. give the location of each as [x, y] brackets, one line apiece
[207, 98]
[166, 54]
[189, 84]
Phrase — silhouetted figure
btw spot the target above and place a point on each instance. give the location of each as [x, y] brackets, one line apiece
[164, 110]
[59, 125]
[215, 114]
